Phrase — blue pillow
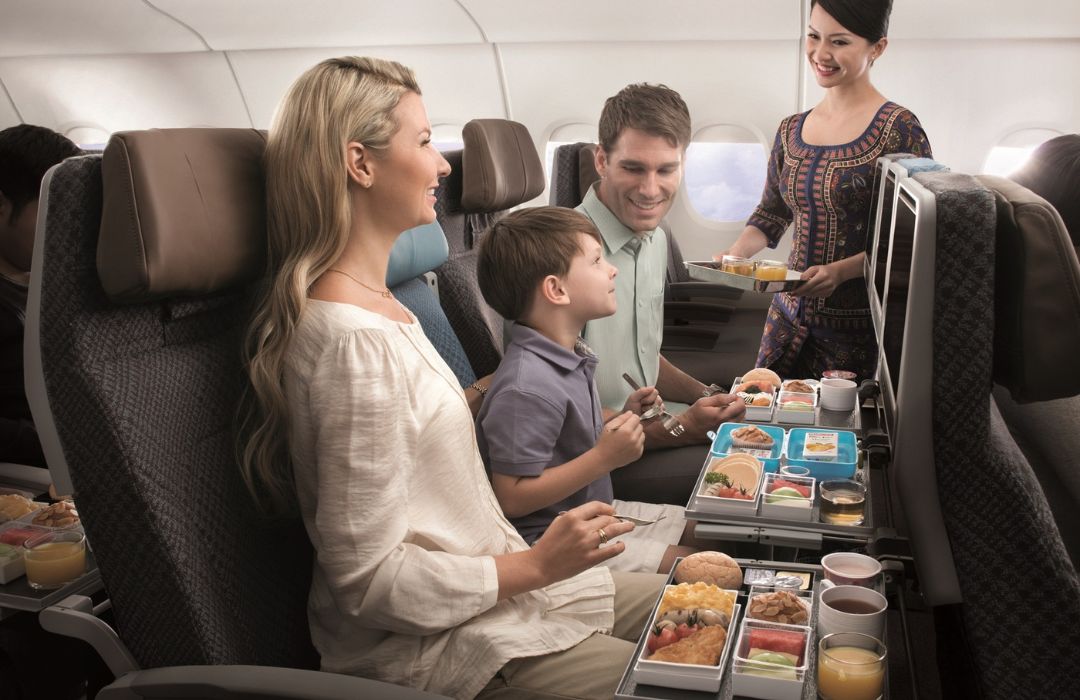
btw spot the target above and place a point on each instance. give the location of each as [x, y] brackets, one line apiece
[921, 165]
[415, 252]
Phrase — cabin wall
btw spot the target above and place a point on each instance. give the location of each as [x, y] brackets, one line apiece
[975, 73]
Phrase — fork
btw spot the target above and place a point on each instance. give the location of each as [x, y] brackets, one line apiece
[638, 521]
[671, 423]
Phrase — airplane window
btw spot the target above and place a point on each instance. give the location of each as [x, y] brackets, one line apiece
[447, 137]
[725, 172]
[88, 138]
[1013, 151]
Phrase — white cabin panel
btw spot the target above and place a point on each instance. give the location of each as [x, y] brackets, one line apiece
[71, 27]
[459, 83]
[261, 24]
[971, 94]
[115, 93]
[1000, 19]
[8, 115]
[636, 20]
[711, 77]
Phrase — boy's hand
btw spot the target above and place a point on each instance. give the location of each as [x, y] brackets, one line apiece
[621, 441]
[641, 400]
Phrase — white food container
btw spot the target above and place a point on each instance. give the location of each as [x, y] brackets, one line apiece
[787, 508]
[747, 678]
[685, 676]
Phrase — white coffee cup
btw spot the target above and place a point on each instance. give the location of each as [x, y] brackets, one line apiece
[850, 609]
[851, 568]
[838, 394]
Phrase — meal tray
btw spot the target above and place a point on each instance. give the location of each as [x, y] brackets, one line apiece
[708, 271]
[630, 689]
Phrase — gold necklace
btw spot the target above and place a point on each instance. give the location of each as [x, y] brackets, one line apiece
[384, 293]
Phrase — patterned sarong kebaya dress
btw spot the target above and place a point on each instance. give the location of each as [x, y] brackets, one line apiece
[827, 192]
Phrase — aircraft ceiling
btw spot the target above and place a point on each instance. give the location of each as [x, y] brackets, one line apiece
[76, 27]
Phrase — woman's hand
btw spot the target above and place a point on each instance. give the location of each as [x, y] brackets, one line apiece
[641, 400]
[572, 542]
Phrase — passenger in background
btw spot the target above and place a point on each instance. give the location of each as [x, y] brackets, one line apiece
[26, 152]
[1053, 173]
[644, 132]
[541, 429]
[354, 418]
[821, 176]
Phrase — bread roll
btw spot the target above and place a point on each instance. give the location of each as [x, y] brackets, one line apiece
[716, 568]
[762, 373]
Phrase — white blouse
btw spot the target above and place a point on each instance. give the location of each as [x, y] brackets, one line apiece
[398, 506]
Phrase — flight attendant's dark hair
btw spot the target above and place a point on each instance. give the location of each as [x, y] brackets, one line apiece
[866, 18]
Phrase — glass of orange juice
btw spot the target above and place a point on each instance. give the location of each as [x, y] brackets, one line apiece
[851, 666]
[55, 558]
[770, 270]
[737, 265]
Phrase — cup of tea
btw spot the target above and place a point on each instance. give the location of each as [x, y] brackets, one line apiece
[851, 568]
[850, 609]
[54, 558]
[851, 666]
[843, 502]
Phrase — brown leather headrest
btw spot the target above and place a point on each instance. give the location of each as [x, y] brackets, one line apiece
[1037, 297]
[500, 166]
[183, 212]
[587, 174]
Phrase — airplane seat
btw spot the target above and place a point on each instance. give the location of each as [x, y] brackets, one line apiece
[706, 333]
[415, 255]
[144, 279]
[1016, 584]
[497, 169]
[1036, 336]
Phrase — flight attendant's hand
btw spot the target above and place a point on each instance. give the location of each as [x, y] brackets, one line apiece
[822, 280]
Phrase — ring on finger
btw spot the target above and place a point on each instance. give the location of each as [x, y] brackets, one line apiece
[603, 537]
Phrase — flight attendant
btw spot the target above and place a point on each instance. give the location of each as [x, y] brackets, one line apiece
[820, 177]
[357, 422]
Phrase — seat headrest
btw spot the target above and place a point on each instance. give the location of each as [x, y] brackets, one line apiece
[500, 166]
[587, 174]
[415, 252]
[183, 212]
[1037, 297]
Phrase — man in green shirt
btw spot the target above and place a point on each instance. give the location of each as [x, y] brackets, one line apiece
[644, 132]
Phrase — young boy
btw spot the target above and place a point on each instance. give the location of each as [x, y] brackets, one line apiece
[541, 429]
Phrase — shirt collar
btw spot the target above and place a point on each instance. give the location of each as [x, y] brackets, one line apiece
[614, 232]
[546, 348]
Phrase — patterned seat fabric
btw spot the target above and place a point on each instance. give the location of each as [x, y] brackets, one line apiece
[1019, 588]
[143, 397]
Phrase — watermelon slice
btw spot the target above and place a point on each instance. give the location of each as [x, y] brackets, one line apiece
[782, 641]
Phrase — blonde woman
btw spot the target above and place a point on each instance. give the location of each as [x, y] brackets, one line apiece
[353, 416]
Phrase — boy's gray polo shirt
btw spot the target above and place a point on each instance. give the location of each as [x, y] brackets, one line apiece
[541, 411]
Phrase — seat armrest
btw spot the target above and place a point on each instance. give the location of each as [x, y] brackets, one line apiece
[221, 682]
[74, 617]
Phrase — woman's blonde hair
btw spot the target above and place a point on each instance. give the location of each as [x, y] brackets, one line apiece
[308, 223]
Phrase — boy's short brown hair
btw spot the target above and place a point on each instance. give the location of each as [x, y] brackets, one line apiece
[655, 109]
[523, 248]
